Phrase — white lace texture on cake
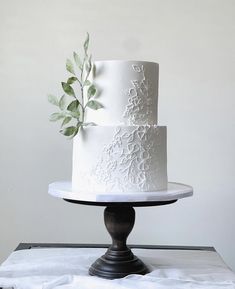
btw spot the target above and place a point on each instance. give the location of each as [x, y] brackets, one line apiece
[129, 162]
[140, 99]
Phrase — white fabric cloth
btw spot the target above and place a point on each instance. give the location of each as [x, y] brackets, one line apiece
[67, 268]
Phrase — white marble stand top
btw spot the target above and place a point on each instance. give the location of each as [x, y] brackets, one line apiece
[174, 191]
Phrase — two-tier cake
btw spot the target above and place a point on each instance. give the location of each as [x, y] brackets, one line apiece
[126, 150]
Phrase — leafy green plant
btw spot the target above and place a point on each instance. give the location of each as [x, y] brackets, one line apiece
[72, 106]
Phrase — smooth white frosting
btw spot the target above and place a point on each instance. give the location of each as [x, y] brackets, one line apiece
[118, 159]
[128, 90]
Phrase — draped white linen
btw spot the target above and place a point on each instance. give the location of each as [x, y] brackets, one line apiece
[67, 268]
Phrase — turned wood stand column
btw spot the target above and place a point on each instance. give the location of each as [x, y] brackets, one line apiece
[119, 260]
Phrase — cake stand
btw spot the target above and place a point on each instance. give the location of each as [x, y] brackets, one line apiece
[119, 219]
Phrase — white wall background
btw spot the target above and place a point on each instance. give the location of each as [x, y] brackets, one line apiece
[194, 43]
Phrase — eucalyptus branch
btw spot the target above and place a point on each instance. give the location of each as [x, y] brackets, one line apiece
[75, 109]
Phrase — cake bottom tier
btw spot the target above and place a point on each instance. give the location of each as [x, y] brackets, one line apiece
[117, 159]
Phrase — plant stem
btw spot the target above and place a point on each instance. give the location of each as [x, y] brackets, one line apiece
[79, 82]
[82, 91]
[83, 114]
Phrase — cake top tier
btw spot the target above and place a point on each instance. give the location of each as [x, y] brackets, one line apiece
[128, 90]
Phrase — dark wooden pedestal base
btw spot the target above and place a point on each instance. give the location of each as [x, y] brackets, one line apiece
[118, 261]
[119, 219]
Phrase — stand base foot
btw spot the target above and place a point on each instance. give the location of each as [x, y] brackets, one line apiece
[115, 264]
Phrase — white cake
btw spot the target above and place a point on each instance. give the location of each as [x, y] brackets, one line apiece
[126, 151]
[129, 92]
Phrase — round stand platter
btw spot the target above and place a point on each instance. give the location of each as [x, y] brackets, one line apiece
[119, 219]
[174, 191]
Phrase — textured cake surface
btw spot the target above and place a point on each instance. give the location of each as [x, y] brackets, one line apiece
[126, 150]
[129, 92]
[120, 159]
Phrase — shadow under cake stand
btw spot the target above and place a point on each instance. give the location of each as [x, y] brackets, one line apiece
[119, 219]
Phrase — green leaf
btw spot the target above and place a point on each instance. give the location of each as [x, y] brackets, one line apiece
[62, 102]
[75, 114]
[75, 133]
[93, 104]
[88, 124]
[88, 66]
[69, 131]
[56, 116]
[77, 60]
[71, 80]
[53, 99]
[87, 83]
[68, 89]
[86, 43]
[69, 66]
[66, 120]
[73, 105]
[91, 91]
